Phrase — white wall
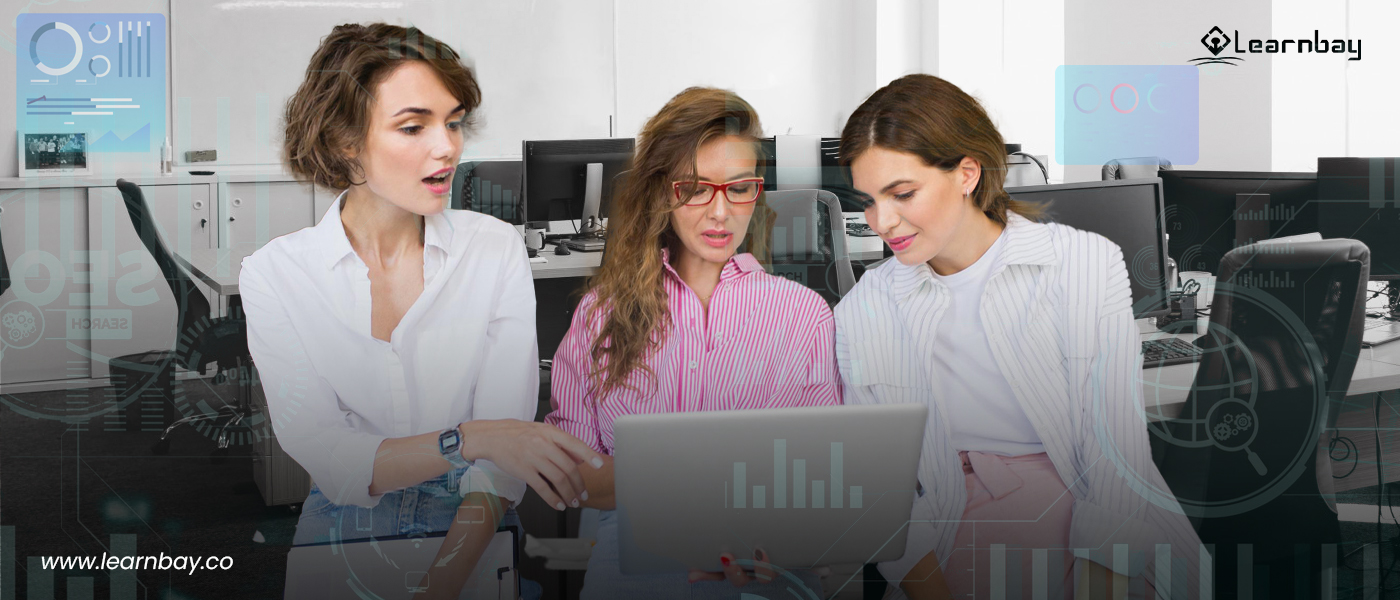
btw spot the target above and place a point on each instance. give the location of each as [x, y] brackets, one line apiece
[1005, 55]
[800, 63]
[1236, 127]
[1325, 105]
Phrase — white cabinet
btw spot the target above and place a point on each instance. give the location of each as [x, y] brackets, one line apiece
[85, 289]
[254, 212]
[134, 290]
[44, 315]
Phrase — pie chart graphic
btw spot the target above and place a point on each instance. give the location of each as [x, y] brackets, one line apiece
[77, 50]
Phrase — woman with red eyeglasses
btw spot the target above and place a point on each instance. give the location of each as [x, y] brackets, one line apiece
[683, 318]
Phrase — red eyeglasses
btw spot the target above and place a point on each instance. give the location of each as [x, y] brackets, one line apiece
[701, 193]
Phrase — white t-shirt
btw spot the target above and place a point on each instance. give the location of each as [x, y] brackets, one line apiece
[983, 411]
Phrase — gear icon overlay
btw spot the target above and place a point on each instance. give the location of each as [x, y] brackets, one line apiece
[18, 325]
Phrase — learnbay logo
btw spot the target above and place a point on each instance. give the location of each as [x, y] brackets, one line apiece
[1216, 41]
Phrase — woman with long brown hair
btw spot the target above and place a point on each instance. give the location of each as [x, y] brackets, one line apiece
[1019, 336]
[681, 308]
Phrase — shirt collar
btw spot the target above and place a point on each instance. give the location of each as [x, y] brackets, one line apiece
[335, 246]
[737, 265]
[1025, 243]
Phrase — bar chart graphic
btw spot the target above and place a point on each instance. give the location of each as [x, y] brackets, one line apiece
[831, 492]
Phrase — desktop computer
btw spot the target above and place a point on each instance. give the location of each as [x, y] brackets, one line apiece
[1357, 199]
[1210, 213]
[1129, 213]
[574, 179]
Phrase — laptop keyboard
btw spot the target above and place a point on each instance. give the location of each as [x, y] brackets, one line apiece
[1168, 351]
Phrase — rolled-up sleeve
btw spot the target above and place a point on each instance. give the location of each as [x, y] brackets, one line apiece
[509, 382]
[306, 415]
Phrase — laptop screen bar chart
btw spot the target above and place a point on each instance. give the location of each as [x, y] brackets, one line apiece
[738, 492]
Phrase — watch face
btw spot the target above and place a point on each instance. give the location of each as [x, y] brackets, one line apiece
[448, 441]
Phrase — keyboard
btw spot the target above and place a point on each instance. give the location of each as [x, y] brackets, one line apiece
[859, 230]
[1166, 352]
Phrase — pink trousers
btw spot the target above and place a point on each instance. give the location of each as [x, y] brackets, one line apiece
[1014, 537]
[1017, 515]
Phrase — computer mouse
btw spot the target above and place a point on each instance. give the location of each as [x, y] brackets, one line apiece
[562, 250]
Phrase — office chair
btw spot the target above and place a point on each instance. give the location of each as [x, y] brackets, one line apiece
[201, 338]
[4, 270]
[1142, 167]
[809, 242]
[491, 188]
[1284, 335]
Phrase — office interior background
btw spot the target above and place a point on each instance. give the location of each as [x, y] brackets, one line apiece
[559, 70]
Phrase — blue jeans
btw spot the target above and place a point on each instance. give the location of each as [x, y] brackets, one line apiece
[429, 507]
[605, 581]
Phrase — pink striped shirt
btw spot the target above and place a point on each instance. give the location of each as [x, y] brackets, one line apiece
[768, 343]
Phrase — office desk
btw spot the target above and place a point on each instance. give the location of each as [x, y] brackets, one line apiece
[585, 264]
[863, 249]
[1165, 389]
[217, 268]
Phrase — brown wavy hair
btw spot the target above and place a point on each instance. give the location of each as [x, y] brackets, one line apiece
[938, 122]
[330, 112]
[630, 294]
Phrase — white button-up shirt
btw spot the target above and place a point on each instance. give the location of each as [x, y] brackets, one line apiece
[1058, 317]
[466, 349]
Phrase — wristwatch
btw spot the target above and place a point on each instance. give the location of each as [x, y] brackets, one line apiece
[450, 445]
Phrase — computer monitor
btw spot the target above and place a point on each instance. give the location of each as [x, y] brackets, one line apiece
[768, 162]
[1129, 213]
[836, 178]
[556, 176]
[1207, 217]
[1357, 199]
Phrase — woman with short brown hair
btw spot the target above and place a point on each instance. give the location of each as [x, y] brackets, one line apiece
[395, 339]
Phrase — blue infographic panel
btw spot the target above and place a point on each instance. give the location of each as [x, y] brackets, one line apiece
[1107, 112]
[102, 74]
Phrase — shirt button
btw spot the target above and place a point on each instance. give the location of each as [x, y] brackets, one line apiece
[692, 365]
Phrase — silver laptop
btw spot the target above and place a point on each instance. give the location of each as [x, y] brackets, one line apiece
[810, 486]
[396, 567]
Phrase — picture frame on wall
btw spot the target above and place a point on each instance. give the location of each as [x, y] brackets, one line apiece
[52, 154]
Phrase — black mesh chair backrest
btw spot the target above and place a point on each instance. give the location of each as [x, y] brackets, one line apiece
[1282, 344]
[191, 305]
[4, 269]
[491, 188]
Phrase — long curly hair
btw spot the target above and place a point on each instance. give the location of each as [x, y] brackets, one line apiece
[630, 295]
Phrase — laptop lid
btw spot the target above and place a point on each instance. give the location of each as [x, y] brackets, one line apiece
[810, 486]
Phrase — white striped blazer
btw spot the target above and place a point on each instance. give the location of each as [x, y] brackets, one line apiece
[1057, 310]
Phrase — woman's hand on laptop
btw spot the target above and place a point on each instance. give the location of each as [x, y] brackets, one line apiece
[734, 573]
[542, 455]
